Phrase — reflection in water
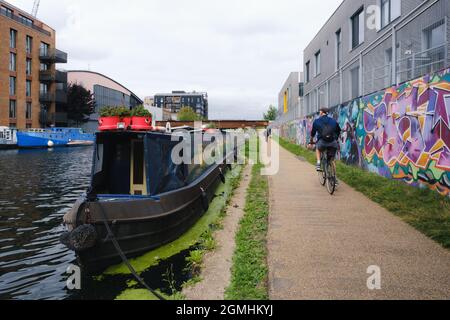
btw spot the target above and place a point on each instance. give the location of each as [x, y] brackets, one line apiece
[37, 188]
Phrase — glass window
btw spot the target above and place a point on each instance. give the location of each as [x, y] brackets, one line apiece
[13, 39]
[355, 82]
[435, 36]
[28, 88]
[29, 44]
[43, 67]
[12, 109]
[7, 12]
[390, 10]
[44, 49]
[338, 48]
[12, 86]
[12, 62]
[43, 88]
[317, 64]
[29, 64]
[358, 27]
[28, 111]
[26, 21]
[307, 71]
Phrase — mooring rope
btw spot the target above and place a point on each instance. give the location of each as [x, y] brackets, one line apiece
[123, 256]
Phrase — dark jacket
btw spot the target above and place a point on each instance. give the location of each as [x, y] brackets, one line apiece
[320, 123]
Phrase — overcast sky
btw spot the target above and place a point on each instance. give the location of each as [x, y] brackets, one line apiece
[239, 51]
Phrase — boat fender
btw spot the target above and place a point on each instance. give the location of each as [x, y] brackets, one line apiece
[205, 202]
[82, 238]
[222, 176]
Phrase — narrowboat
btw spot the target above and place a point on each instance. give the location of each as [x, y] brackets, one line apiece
[54, 137]
[8, 138]
[139, 198]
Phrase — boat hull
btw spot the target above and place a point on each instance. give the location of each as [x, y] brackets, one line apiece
[141, 225]
[54, 138]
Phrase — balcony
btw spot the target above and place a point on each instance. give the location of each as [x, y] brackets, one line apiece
[53, 56]
[59, 96]
[53, 76]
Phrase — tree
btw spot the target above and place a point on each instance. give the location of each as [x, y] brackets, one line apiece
[80, 103]
[188, 114]
[271, 114]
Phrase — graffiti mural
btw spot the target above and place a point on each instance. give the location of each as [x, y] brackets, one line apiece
[400, 133]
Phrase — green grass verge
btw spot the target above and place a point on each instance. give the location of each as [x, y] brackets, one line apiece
[250, 271]
[424, 209]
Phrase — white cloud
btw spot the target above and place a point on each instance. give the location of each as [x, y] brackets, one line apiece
[239, 51]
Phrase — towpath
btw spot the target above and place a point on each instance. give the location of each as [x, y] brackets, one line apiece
[320, 247]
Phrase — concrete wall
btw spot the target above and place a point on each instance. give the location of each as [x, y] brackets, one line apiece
[401, 133]
[288, 98]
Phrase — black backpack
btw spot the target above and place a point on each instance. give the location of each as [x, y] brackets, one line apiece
[328, 132]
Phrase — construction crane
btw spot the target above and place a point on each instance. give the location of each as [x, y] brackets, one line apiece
[35, 10]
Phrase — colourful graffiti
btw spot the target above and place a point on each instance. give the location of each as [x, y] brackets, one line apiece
[401, 133]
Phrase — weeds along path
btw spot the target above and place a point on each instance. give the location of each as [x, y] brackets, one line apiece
[216, 268]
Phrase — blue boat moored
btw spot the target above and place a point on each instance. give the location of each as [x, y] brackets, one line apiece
[54, 137]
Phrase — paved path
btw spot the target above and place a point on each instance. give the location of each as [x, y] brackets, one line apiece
[320, 247]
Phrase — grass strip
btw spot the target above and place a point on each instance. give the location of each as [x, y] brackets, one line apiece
[250, 271]
[424, 209]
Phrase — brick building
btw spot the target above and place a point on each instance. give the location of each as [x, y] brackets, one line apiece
[32, 91]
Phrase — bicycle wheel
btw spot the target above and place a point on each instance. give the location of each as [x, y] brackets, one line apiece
[322, 176]
[331, 178]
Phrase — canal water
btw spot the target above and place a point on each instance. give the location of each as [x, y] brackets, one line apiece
[37, 187]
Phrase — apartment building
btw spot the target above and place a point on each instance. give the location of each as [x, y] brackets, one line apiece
[171, 103]
[107, 92]
[33, 92]
[368, 45]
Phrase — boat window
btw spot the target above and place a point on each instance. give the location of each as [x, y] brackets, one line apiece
[138, 180]
[99, 159]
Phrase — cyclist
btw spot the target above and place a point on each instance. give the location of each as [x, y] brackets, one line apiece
[328, 131]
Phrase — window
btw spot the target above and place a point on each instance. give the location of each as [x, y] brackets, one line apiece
[12, 109]
[12, 62]
[338, 49]
[307, 71]
[44, 49]
[301, 91]
[12, 86]
[7, 12]
[12, 39]
[317, 64]
[28, 111]
[43, 88]
[26, 21]
[354, 74]
[390, 10]
[29, 64]
[357, 28]
[43, 67]
[29, 44]
[434, 36]
[28, 88]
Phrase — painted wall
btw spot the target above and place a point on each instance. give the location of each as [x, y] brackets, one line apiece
[400, 133]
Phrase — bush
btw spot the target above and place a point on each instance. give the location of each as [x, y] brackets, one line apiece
[115, 111]
[140, 111]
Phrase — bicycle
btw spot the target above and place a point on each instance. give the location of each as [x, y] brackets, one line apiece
[328, 174]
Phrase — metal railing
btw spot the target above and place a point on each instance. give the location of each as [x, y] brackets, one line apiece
[425, 62]
[53, 55]
[53, 76]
